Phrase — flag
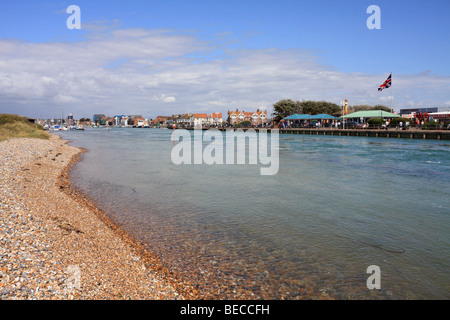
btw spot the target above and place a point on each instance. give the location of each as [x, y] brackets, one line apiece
[386, 84]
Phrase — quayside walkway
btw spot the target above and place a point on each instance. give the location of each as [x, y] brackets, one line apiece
[382, 133]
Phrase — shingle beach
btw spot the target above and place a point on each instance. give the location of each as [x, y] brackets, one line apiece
[56, 245]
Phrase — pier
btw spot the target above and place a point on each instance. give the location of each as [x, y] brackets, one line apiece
[378, 133]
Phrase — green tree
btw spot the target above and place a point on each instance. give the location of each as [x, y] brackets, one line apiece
[365, 107]
[318, 107]
[244, 124]
[382, 107]
[285, 108]
[360, 107]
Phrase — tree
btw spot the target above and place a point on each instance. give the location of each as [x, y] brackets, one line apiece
[244, 124]
[382, 107]
[360, 107]
[285, 108]
[318, 107]
[365, 107]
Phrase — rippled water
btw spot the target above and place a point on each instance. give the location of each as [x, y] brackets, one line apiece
[337, 205]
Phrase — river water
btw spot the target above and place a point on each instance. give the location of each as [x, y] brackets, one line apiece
[336, 206]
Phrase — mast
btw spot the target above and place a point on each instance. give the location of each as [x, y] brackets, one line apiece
[390, 104]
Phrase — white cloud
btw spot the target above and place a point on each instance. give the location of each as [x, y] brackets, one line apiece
[154, 72]
[164, 98]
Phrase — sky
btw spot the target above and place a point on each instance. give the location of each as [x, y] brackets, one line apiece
[170, 57]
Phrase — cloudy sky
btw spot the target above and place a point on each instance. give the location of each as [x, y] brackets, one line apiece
[169, 57]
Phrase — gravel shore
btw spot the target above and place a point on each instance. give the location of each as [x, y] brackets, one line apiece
[55, 244]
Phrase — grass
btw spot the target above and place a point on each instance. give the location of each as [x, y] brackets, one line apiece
[15, 126]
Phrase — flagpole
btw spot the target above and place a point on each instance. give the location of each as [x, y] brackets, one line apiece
[390, 105]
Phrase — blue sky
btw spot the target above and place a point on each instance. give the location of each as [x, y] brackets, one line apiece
[186, 56]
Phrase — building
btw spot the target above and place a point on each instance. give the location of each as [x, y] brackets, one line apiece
[118, 120]
[107, 121]
[364, 115]
[199, 119]
[133, 117]
[70, 121]
[124, 121]
[440, 116]
[97, 118]
[183, 119]
[160, 119]
[412, 112]
[215, 119]
[255, 118]
[139, 122]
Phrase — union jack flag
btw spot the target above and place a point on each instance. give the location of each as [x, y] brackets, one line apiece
[386, 84]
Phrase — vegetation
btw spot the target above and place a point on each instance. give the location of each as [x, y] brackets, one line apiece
[365, 107]
[375, 121]
[434, 125]
[396, 121]
[287, 107]
[15, 126]
[243, 124]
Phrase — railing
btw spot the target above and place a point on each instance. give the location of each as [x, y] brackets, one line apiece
[370, 127]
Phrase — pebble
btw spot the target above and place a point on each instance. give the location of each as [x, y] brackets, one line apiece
[55, 245]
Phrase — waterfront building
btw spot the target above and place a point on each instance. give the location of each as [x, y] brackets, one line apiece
[363, 116]
[124, 121]
[215, 119]
[97, 118]
[139, 122]
[412, 112]
[118, 120]
[160, 120]
[440, 116]
[199, 119]
[256, 118]
[183, 119]
[70, 121]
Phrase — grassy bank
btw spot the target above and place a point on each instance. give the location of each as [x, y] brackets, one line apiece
[15, 126]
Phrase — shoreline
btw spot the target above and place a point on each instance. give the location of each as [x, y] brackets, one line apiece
[56, 244]
[150, 260]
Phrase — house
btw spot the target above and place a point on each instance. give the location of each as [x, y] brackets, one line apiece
[106, 121]
[160, 119]
[139, 122]
[124, 121]
[97, 118]
[255, 118]
[199, 119]
[215, 119]
[259, 117]
[118, 120]
[183, 119]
